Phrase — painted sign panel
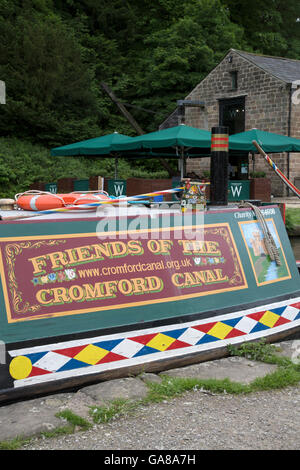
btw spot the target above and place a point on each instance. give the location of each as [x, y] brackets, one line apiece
[117, 187]
[265, 270]
[51, 187]
[56, 275]
[238, 190]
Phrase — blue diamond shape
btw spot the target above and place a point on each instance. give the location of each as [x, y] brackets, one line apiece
[34, 357]
[174, 333]
[73, 364]
[278, 310]
[259, 327]
[108, 345]
[232, 322]
[207, 339]
[146, 350]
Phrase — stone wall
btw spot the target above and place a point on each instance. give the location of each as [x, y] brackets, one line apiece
[295, 132]
[266, 108]
[143, 186]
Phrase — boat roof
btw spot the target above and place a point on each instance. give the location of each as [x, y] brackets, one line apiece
[105, 211]
[101, 212]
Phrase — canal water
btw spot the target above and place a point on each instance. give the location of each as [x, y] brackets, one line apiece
[272, 270]
[295, 242]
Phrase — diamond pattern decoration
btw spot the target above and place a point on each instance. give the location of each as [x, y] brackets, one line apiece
[94, 353]
[220, 330]
[191, 336]
[51, 361]
[91, 354]
[161, 342]
[269, 319]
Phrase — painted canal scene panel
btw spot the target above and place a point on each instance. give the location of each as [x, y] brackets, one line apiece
[265, 270]
[71, 274]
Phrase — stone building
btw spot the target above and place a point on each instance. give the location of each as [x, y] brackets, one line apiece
[246, 91]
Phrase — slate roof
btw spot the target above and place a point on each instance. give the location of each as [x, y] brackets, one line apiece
[287, 70]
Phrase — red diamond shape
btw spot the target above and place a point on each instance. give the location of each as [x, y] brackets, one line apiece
[281, 321]
[178, 344]
[36, 371]
[143, 339]
[235, 332]
[205, 328]
[256, 316]
[111, 357]
[70, 352]
[297, 305]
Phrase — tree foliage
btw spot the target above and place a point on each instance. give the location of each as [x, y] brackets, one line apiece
[270, 26]
[23, 163]
[54, 54]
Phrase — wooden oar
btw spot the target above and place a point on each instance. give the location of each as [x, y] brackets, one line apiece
[286, 181]
[91, 205]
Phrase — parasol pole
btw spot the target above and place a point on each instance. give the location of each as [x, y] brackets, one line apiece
[183, 167]
[116, 167]
[286, 181]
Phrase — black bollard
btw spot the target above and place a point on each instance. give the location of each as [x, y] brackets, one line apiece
[219, 166]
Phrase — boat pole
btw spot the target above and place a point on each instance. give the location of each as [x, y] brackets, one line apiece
[286, 181]
[219, 166]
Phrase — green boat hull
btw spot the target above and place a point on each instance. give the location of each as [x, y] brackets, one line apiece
[92, 298]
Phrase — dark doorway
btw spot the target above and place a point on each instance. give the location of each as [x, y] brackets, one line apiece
[232, 115]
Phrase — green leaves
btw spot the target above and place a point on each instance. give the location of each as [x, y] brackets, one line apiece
[22, 163]
[272, 27]
[53, 58]
[46, 77]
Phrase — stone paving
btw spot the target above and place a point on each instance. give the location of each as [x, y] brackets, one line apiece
[31, 417]
[292, 202]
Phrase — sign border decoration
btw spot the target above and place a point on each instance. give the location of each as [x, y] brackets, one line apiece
[13, 246]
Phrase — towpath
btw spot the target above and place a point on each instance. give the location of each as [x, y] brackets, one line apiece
[196, 420]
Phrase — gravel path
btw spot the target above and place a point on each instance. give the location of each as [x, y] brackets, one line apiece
[196, 421]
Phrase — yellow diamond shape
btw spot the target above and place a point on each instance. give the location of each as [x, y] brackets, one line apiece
[269, 318]
[91, 354]
[220, 330]
[160, 342]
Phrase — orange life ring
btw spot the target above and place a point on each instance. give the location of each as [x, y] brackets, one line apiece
[68, 198]
[90, 198]
[39, 202]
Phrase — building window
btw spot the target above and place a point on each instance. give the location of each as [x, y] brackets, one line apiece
[234, 80]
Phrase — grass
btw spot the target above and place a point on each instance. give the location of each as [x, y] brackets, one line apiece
[14, 444]
[257, 351]
[73, 422]
[116, 408]
[281, 378]
[171, 387]
[168, 389]
[292, 218]
[286, 374]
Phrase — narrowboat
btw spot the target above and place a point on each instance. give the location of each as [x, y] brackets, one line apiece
[87, 296]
